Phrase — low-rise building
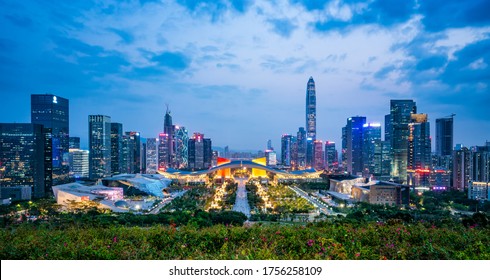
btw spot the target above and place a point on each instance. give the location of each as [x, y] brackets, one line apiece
[479, 190]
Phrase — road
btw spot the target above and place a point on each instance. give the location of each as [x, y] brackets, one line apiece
[241, 202]
[320, 204]
[166, 201]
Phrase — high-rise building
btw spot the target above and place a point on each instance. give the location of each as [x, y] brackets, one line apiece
[270, 158]
[371, 149]
[151, 155]
[169, 129]
[354, 141]
[444, 136]
[480, 163]
[117, 159]
[74, 142]
[400, 117]
[331, 156]
[286, 149]
[301, 143]
[310, 120]
[461, 168]
[79, 164]
[318, 162]
[52, 112]
[22, 157]
[134, 148]
[200, 152]
[99, 128]
[419, 143]
[385, 161]
[294, 152]
[143, 155]
[269, 145]
[163, 157]
[343, 152]
[388, 128]
[181, 147]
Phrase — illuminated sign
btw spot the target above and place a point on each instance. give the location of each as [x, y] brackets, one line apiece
[55, 99]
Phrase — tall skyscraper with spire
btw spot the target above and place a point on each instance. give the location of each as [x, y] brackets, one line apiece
[310, 120]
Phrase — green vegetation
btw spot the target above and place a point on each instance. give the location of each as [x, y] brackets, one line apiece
[284, 200]
[323, 240]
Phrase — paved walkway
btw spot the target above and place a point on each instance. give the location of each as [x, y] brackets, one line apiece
[241, 202]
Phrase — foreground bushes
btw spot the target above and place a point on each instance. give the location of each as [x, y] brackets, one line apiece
[327, 240]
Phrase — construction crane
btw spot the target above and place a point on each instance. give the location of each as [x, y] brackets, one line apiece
[450, 116]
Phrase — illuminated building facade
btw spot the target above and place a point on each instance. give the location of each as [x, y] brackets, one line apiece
[480, 163]
[301, 143]
[271, 158]
[400, 117]
[354, 143]
[310, 120]
[52, 112]
[163, 157]
[169, 129]
[116, 148]
[181, 147]
[371, 149]
[419, 143]
[331, 156]
[79, 164]
[200, 152]
[318, 162]
[151, 155]
[99, 146]
[479, 190]
[22, 157]
[286, 149]
[461, 168]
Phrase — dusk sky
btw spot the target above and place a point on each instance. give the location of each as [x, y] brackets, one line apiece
[237, 70]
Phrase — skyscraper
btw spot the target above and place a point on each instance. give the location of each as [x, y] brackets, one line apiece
[163, 157]
[419, 143]
[99, 146]
[200, 152]
[169, 129]
[461, 168]
[318, 162]
[52, 112]
[480, 163]
[301, 142]
[354, 141]
[22, 157]
[181, 147]
[371, 149]
[134, 148]
[444, 136]
[331, 156]
[400, 116]
[286, 148]
[74, 143]
[117, 148]
[79, 164]
[310, 120]
[151, 155]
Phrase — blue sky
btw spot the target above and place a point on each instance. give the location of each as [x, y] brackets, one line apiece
[237, 70]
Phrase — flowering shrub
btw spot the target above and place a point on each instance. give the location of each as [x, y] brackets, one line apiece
[326, 240]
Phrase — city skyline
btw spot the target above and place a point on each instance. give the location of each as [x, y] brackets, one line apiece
[221, 72]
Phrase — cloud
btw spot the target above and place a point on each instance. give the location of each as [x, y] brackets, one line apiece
[215, 8]
[172, 60]
[125, 36]
[20, 21]
[470, 65]
[443, 14]
[381, 12]
[283, 27]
